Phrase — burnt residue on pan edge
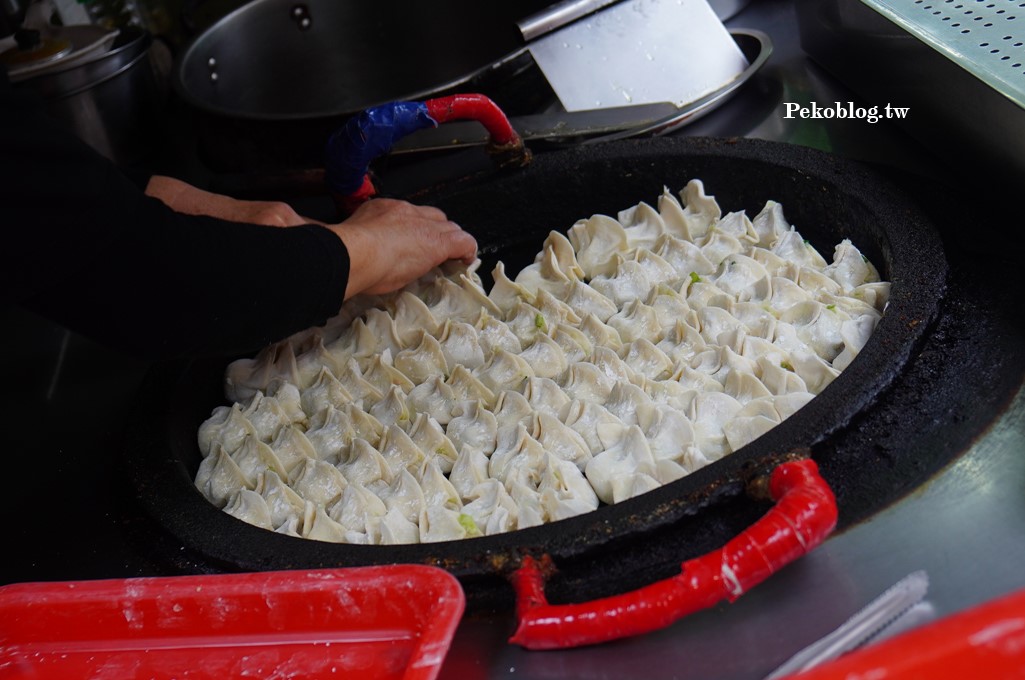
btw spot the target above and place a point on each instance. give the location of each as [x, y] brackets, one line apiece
[626, 545]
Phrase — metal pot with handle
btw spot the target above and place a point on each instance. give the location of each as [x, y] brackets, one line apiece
[106, 93]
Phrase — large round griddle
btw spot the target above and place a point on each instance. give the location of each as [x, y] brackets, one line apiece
[825, 197]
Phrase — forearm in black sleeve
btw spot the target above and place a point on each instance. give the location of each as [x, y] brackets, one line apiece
[179, 285]
[88, 249]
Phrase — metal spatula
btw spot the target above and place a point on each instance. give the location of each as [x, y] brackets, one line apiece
[632, 52]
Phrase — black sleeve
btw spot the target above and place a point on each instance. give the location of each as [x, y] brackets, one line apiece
[88, 249]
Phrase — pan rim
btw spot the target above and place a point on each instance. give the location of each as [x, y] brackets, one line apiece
[165, 489]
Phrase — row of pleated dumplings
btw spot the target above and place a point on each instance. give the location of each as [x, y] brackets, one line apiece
[631, 352]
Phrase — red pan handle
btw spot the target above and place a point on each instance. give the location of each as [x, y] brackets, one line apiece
[804, 515]
[372, 133]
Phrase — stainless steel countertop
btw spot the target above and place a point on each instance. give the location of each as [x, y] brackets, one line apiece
[965, 527]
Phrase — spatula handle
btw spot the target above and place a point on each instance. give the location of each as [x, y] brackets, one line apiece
[557, 16]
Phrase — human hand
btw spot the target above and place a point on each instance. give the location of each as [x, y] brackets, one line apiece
[392, 242]
[185, 198]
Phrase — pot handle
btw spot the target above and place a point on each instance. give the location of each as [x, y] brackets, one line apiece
[804, 515]
[372, 133]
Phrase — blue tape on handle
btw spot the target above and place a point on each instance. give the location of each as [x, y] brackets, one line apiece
[363, 138]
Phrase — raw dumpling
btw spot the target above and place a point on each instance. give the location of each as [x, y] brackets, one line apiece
[632, 351]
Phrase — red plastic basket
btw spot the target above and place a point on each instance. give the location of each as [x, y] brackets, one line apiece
[373, 622]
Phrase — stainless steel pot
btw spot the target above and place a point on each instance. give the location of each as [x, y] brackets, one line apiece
[109, 102]
[283, 60]
[273, 79]
[292, 59]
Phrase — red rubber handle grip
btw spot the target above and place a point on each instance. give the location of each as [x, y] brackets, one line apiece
[804, 515]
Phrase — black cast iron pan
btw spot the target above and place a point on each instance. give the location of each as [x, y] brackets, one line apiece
[825, 197]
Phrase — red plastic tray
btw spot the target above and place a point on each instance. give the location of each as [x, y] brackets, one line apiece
[986, 641]
[367, 622]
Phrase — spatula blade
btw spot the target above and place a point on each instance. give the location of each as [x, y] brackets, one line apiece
[639, 52]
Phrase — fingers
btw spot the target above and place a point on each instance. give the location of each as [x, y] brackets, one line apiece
[185, 198]
[393, 242]
[381, 206]
[431, 213]
[452, 242]
[463, 247]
